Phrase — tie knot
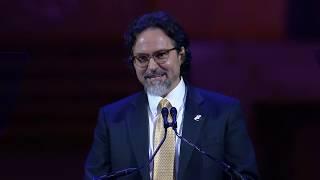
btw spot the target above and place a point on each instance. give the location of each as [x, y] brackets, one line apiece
[164, 103]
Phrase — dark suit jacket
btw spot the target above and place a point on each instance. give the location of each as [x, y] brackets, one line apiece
[121, 138]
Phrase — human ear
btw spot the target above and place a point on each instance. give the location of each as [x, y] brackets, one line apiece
[182, 53]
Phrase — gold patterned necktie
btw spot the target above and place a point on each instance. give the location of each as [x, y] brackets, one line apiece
[163, 167]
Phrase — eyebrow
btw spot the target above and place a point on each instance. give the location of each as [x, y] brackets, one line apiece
[141, 53]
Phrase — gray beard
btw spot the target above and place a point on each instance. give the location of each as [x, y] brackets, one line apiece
[158, 89]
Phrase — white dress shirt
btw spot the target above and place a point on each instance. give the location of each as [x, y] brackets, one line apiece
[177, 99]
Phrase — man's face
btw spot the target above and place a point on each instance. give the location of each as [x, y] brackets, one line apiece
[157, 78]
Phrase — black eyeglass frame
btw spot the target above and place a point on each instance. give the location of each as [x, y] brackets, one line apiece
[159, 60]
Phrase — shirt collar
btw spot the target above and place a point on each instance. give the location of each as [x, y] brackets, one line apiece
[175, 97]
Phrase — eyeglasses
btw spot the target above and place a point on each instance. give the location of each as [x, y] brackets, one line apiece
[160, 57]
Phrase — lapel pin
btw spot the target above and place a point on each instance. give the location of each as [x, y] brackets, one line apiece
[197, 118]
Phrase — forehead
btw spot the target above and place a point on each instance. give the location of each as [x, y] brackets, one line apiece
[152, 39]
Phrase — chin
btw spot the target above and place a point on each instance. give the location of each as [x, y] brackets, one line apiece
[158, 89]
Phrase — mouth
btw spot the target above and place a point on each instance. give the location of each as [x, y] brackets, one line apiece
[155, 77]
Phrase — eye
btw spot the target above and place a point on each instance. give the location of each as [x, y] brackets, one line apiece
[161, 54]
[142, 59]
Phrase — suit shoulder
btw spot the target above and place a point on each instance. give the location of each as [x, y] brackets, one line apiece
[215, 97]
[123, 103]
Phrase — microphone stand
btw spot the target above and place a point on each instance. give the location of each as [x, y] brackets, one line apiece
[226, 167]
[128, 171]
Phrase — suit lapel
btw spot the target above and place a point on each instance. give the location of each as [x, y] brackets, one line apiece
[192, 123]
[137, 122]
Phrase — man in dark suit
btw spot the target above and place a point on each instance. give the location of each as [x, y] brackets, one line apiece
[126, 131]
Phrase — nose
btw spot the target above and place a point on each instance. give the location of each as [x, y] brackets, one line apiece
[152, 64]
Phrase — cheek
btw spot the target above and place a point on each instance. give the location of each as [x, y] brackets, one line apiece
[139, 74]
[171, 68]
[176, 67]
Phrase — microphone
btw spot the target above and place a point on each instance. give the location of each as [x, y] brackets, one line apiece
[128, 171]
[226, 167]
[173, 113]
[165, 114]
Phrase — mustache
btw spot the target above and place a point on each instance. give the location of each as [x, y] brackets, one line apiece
[152, 74]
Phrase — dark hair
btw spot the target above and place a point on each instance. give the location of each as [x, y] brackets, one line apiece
[166, 23]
